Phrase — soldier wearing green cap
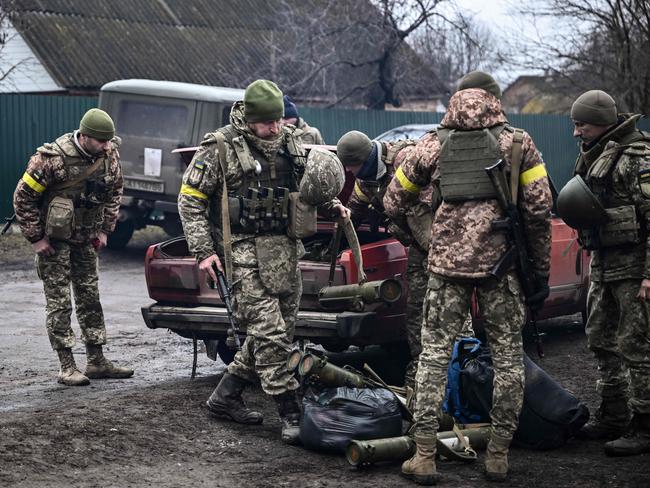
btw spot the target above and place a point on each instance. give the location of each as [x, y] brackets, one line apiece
[67, 203]
[614, 162]
[240, 224]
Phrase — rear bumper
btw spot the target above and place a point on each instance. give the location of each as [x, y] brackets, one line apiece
[206, 322]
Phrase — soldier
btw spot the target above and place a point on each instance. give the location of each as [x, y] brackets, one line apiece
[463, 252]
[308, 134]
[374, 164]
[614, 161]
[66, 204]
[263, 162]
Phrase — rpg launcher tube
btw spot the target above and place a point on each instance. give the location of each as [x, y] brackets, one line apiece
[477, 436]
[393, 449]
[387, 291]
[327, 373]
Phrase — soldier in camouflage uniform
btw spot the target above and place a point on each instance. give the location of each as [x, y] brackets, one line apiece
[374, 165]
[614, 161]
[263, 162]
[463, 251]
[66, 204]
[307, 133]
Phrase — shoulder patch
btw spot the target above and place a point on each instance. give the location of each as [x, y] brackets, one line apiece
[199, 164]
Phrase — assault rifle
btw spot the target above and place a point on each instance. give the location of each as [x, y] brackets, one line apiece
[8, 222]
[517, 251]
[224, 290]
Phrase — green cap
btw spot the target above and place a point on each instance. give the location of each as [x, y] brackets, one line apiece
[98, 124]
[263, 102]
[353, 148]
[595, 107]
[480, 79]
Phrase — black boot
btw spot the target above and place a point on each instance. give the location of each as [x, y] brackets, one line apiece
[609, 422]
[289, 411]
[635, 441]
[226, 401]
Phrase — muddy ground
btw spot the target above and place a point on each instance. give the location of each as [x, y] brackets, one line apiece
[152, 430]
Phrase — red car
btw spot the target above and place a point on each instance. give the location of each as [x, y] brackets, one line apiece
[186, 304]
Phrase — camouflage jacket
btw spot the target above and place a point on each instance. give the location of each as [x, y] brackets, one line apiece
[309, 134]
[628, 183]
[199, 201]
[47, 169]
[463, 244]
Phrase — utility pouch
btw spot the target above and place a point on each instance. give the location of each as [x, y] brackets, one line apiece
[419, 220]
[302, 218]
[60, 220]
[621, 228]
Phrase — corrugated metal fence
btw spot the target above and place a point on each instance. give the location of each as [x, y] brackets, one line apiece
[26, 121]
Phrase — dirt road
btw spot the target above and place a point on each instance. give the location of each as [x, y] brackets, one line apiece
[152, 430]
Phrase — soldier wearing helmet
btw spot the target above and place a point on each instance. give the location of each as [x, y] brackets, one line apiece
[614, 162]
[67, 203]
[253, 169]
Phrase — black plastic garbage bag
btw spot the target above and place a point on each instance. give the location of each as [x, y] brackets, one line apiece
[332, 417]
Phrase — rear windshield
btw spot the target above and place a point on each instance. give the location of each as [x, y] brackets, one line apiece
[159, 121]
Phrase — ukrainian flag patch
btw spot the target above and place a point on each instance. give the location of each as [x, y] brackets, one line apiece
[199, 164]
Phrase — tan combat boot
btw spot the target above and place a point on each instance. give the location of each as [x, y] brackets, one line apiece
[496, 459]
[98, 366]
[421, 468]
[69, 375]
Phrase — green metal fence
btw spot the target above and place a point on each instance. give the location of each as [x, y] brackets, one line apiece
[26, 121]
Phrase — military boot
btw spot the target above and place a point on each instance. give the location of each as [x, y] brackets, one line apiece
[289, 411]
[98, 366]
[226, 401]
[421, 468]
[635, 441]
[69, 374]
[496, 458]
[609, 422]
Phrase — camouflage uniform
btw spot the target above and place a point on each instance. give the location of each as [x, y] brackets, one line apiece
[309, 134]
[75, 258]
[617, 325]
[463, 250]
[266, 278]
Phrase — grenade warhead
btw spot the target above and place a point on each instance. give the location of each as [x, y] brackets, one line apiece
[328, 374]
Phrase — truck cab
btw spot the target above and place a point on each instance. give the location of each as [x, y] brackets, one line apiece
[153, 118]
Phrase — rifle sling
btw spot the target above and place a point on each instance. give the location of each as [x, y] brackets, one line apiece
[84, 174]
[225, 212]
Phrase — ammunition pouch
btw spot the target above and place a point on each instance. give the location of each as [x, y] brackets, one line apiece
[302, 218]
[621, 228]
[60, 220]
[262, 211]
[419, 220]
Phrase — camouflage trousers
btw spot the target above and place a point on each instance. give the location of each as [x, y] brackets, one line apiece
[77, 265]
[446, 306]
[417, 277]
[270, 320]
[618, 332]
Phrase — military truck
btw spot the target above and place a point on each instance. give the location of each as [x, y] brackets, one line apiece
[153, 118]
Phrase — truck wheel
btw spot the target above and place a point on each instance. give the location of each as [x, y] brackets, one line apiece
[225, 353]
[121, 235]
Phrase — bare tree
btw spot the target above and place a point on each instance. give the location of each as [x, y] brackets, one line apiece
[7, 33]
[604, 45]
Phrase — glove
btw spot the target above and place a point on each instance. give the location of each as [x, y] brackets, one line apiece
[536, 300]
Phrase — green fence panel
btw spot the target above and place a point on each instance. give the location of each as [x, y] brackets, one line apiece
[26, 122]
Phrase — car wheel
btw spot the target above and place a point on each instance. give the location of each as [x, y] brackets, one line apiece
[122, 234]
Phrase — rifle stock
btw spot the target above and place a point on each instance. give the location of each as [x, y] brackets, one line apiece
[8, 222]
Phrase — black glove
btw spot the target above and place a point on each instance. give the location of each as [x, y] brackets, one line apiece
[536, 300]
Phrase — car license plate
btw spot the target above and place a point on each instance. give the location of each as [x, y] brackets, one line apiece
[144, 185]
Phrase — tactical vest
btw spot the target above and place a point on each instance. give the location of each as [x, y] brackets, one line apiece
[261, 203]
[624, 225]
[463, 158]
[89, 194]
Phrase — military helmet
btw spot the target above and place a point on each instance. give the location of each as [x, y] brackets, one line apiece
[323, 179]
[579, 207]
[98, 124]
[353, 148]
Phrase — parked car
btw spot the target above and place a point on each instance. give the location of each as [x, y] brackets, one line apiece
[410, 131]
[153, 118]
[185, 303]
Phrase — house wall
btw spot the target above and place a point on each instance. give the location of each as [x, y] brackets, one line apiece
[26, 74]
